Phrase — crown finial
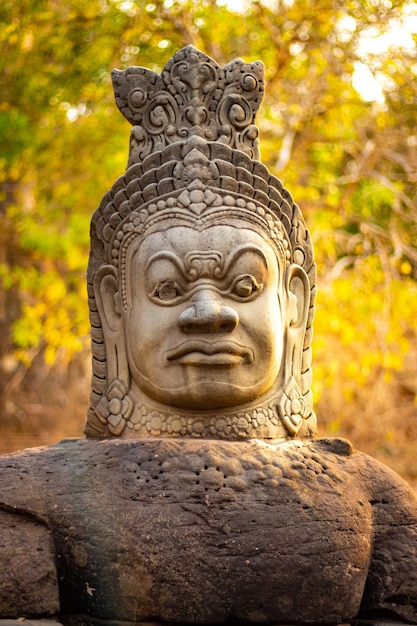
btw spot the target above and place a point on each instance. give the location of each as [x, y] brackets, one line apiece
[193, 96]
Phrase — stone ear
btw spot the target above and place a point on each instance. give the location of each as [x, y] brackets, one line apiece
[297, 291]
[298, 296]
[295, 404]
[106, 291]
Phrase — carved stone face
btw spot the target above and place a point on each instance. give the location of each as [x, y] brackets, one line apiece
[204, 326]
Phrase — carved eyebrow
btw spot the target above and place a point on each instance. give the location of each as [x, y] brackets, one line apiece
[232, 258]
[166, 255]
[235, 254]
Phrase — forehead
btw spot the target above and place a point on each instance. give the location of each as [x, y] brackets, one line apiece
[181, 240]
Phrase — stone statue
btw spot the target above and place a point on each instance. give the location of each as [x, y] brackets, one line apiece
[201, 495]
[224, 310]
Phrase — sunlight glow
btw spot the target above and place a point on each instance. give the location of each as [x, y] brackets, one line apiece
[366, 84]
[240, 6]
[372, 41]
[74, 112]
[398, 35]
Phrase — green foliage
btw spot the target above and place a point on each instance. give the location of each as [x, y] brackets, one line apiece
[351, 163]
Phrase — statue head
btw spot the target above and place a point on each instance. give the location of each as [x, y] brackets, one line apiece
[201, 275]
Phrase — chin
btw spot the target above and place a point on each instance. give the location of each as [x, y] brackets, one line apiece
[208, 395]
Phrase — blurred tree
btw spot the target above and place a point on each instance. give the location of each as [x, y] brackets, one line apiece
[338, 126]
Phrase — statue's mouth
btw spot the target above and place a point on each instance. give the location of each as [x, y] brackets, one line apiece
[199, 352]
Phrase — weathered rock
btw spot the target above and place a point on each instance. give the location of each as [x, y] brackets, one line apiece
[190, 531]
[28, 576]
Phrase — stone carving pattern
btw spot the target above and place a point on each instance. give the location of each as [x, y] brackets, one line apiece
[192, 96]
[195, 176]
[136, 198]
[117, 411]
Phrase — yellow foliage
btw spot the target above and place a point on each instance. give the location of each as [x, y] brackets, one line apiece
[50, 354]
[54, 292]
[406, 268]
[348, 163]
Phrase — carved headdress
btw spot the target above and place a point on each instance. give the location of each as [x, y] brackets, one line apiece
[194, 157]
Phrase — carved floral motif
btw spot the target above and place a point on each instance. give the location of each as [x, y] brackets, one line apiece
[116, 407]
[293, 408]
[118, 411]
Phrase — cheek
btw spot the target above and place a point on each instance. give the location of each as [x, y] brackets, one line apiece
[264, 319]
[134, 324]
[270, 344]
[149, 325]
[134, 336]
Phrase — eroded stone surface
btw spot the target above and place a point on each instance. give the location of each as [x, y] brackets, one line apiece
[207, 532]
[28, 575]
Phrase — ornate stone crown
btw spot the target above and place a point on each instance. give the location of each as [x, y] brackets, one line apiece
[193, 156]
[192, 96]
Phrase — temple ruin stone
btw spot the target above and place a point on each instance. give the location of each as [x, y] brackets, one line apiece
[201, 493]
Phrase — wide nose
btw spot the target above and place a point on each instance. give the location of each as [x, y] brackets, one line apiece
[205, 314]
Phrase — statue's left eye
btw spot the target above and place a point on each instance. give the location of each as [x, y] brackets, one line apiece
[246, 286]
[167, 291]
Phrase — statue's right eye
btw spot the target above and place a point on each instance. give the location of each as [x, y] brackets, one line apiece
[167, 291]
